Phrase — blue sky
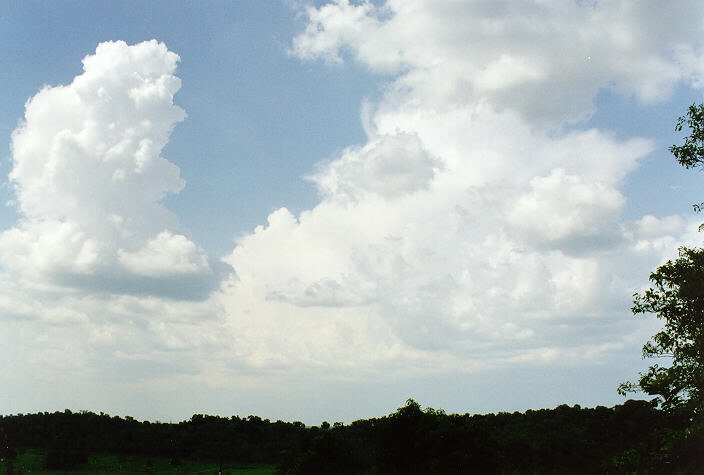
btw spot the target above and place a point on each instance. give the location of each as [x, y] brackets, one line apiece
[372, 201]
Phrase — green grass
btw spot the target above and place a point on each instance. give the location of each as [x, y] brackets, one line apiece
[30, 461]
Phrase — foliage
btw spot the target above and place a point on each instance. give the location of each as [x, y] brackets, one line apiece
[407, 441]
[413, 440]
[677, 296]
[691, 153]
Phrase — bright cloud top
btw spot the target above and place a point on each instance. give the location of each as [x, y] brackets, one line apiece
[88, 176]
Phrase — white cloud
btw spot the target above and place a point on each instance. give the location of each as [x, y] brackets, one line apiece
[545, 59]
[99, 283]
[390, 167]
[88, 176]
[165, 254]
[466, 230]
[562, 208]
[460, 268]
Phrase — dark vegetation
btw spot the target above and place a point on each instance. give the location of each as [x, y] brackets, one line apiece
[626, 438]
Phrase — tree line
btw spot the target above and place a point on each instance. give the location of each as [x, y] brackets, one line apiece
[630, 437]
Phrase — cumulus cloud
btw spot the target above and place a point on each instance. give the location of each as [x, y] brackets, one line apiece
[89, 177]
[99, 283]
[471, 227]
[544, 59]
[391, 166]
[165, 254]
[563, 209]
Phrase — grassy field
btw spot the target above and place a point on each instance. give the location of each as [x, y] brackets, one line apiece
[30, 461]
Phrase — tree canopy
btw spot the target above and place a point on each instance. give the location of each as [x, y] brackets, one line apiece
[411, 440]
[691, 153]
[677, 296]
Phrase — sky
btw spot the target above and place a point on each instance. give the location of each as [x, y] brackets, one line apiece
[316, 210]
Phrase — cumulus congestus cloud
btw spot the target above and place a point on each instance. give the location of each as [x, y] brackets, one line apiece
[89, 177]
[470, 229]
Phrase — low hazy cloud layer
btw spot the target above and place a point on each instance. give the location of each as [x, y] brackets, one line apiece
[470, 231]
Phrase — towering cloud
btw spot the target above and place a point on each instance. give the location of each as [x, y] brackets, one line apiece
[101, 290]
[471, 227]
[88, 176]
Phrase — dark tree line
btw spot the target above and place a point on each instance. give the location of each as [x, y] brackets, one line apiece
[69, 437]
[625, 438]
